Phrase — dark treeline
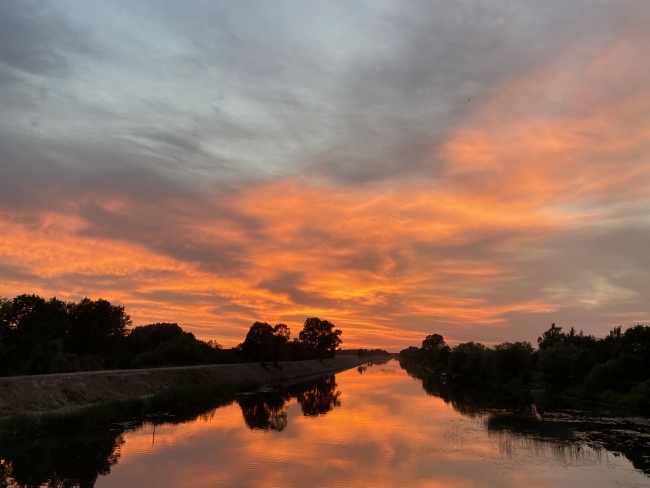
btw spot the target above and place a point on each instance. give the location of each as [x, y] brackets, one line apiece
[613, 369]
[363, 353]
[39, 336]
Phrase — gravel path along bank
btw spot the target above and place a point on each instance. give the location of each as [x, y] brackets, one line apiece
[45, 393]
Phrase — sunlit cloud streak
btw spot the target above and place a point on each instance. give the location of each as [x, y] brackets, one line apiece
[481, 172]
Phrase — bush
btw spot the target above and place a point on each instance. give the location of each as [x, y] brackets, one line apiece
[600, 378]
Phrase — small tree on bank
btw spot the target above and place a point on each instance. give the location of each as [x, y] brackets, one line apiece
[321, 335]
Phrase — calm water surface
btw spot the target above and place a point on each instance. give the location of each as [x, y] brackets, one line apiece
[375, 426]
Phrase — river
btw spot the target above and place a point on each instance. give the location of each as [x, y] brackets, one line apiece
[374, 426]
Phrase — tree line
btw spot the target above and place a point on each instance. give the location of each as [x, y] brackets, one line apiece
[614, 369]
[40, 336]
[363, 353]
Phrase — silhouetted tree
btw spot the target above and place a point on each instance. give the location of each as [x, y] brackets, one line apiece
[472, 360]
[282, 331]
[320, 398]
[264, 411]
[615, 368]
[258, 342]
[435, 350]
[557, 364]
[264, 342]
[32, 330]
[550, 337]
[148, 337]
[299, 351]
[96, 326]
[513, 361]
[321, 335]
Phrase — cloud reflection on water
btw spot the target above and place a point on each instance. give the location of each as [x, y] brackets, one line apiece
[379, 428]
[386, 432]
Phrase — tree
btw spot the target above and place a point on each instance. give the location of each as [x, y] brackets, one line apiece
[557, 364]
[433, 342]
[321, 335]
[32, 329]
[512, 360]
[96, 326]
[266, 342]
[258, 342]
[435, 349]
[34, 320]
[282, 331]
[5, 313]
[145, 338]
[471, 360]
[550, 337]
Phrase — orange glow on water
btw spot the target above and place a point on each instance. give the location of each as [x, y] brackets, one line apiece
[386, 432]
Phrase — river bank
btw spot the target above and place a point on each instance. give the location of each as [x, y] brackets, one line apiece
[60, 392]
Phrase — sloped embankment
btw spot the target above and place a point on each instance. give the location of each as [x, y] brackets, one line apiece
[44, 393]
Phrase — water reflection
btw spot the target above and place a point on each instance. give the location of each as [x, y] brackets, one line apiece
[377, 362]
[78, 458]
[574, 436]
[541, 426]
[320, 398]
[384, 427]
[266, 411]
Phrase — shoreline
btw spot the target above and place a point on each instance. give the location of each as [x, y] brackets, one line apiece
[65, 391]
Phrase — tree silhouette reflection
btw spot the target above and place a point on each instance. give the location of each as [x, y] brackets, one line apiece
[320, 398]
[517, 420]
[77, 456]
[74, 460]
[266, 411]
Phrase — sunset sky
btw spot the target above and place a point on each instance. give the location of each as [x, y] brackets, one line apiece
[474, 168]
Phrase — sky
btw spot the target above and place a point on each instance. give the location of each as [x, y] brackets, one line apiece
[475, 168]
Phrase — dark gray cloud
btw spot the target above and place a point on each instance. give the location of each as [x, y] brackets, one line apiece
[291, 284]
[441, 61]
[145, 119]
[43, 173]
[182, 142]
[35, 37]
[240, 90]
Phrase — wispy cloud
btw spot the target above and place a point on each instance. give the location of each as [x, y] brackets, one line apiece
[477, 169]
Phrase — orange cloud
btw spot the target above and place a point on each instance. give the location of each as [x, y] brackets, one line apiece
[563, 148]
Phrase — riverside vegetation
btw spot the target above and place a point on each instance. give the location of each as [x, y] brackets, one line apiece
[39, 336]
[74, 449]
[614, 369]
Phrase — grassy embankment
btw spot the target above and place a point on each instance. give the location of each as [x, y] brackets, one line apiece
[179, 400]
